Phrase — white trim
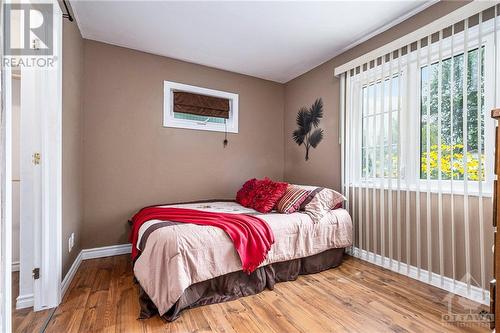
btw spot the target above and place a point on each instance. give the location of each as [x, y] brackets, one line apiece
[444, 189]
[439, 24]
[15, 266]
[94, 253]
[342, 109]
[49, 85]
[56, 230]
[106, 251]
[169, 119]
[448, 284]
[24, 301]
[6, 200]
[71, 274]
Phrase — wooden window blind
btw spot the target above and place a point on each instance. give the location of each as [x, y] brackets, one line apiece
[201, 105]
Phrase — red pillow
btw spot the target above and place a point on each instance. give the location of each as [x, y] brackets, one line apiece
[246, 194]
[261, 195]
[266, 194]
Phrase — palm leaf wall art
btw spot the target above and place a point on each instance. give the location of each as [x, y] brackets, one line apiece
[308, 133]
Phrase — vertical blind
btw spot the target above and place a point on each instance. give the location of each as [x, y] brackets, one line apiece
[418, 149]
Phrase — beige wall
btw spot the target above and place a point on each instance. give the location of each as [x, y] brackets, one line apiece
[72, 211]
[323, 167]
[131, 161]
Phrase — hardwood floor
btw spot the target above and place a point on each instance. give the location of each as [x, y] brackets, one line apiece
[25, 320]
[355, 297]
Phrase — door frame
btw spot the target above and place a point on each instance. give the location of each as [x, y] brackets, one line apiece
[6, 194]
[49, 288]
[49, 284]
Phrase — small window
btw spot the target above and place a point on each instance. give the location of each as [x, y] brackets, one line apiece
[192, 107]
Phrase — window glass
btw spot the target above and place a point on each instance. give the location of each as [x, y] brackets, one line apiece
[379, 147]
[446, 144]
[188, 116]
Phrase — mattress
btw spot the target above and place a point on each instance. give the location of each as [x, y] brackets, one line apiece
[177, 255]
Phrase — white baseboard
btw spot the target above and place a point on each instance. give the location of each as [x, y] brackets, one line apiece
[24, 301]
[456, 287]
[71, 274]
[85, 254]
[106, 251]
[15, 266]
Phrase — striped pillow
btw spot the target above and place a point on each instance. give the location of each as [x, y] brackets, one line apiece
[320, 201]
[292, 199]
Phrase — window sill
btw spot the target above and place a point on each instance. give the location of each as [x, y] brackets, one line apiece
[196, 126]
[487, 191]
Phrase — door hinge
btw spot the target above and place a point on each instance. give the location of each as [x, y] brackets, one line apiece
[36, 273]
[36, 158]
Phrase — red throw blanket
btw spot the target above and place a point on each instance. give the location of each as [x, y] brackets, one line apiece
[252, 237]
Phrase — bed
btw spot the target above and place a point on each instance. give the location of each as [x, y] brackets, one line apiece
[182, 266]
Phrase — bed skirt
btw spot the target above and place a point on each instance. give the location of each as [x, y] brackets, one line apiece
[238, 284]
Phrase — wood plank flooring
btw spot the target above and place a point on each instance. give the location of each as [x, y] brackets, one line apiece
[355, 297]
[25, 320]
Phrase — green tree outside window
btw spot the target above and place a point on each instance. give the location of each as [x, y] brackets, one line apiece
[452, 122]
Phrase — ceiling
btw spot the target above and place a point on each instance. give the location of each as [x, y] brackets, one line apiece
[277, 40]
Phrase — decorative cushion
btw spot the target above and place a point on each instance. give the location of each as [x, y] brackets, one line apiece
[292, 199]
[246, 194]
[320, 201]
[261, 195]
[267, 194]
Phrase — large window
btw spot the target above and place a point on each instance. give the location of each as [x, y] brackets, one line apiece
[451, 154]
[420, 117]
[418, 145]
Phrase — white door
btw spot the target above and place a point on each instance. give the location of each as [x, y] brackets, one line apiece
[41, 209]
[31, 187]
[50, 102]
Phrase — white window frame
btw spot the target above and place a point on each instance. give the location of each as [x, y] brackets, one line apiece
[169, 87]
[410, 172]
